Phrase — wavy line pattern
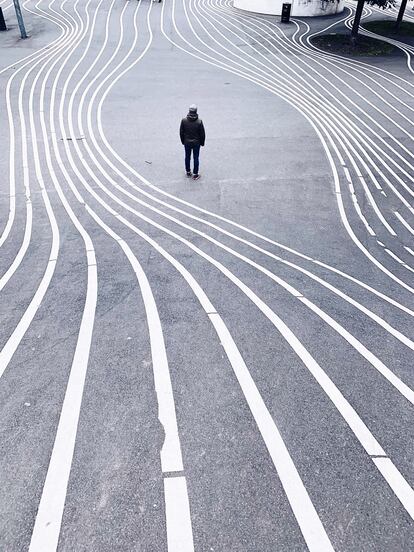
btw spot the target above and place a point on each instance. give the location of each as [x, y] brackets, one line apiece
[75, 203]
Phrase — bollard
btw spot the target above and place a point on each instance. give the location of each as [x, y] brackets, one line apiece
[3, 26]
[285, 13]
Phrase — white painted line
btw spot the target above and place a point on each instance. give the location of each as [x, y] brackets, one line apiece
[359, 428]
[319, 548]
[46, 530]
[406, 391]
[411, 251]
[47, 525]
[301, 504]
[218, 217]
[398, 484]
[90, 257]
[404, 222]
[394, 256]
[347, 174]
[408, 267]
[177, 511]
[361, 216]
[274, 90]
[171, 457]
[376, 183]
[375, 207]
[22, 251]
[311, 526]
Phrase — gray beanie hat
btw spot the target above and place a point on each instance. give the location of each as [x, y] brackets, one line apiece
[193, 108]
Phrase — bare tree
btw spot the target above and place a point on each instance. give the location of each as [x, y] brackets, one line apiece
[358, 14]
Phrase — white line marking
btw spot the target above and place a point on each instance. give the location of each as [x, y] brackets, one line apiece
[375, 206]
[300, 502]
[303, 507]
[394, 256]
[177, 511]
[398, 484]
[342, 212]
[121, 218]
[218, 217]
[366, 353]
[170, 454]
[171, 458]
[347, 174]
[361, 216]
[376, 183]
[359, 428]
[46, 530]
[408, 267]
[404, 222]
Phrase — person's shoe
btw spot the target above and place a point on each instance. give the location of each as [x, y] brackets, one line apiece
[196, 176]
[189, 174]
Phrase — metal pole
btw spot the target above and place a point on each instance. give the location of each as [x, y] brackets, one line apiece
[20, 21]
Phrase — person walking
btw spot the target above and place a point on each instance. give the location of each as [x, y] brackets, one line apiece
[193, 136]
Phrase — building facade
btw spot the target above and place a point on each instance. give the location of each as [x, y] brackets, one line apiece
[300, 8]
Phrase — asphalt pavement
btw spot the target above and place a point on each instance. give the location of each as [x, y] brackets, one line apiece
[221, 365]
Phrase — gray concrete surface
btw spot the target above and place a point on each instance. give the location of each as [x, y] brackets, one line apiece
[263, 167]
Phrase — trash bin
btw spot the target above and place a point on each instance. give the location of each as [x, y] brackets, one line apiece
[285, 13]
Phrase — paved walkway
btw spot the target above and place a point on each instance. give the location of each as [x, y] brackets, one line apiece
[220, 365]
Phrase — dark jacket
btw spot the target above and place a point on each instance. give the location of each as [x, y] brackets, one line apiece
[192, 130]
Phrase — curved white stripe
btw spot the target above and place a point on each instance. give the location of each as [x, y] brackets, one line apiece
[324, 144]
[18, 333]
[241, 227]
[51, 507]
[310, 524]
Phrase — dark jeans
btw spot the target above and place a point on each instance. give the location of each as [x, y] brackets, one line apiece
[195, 148]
